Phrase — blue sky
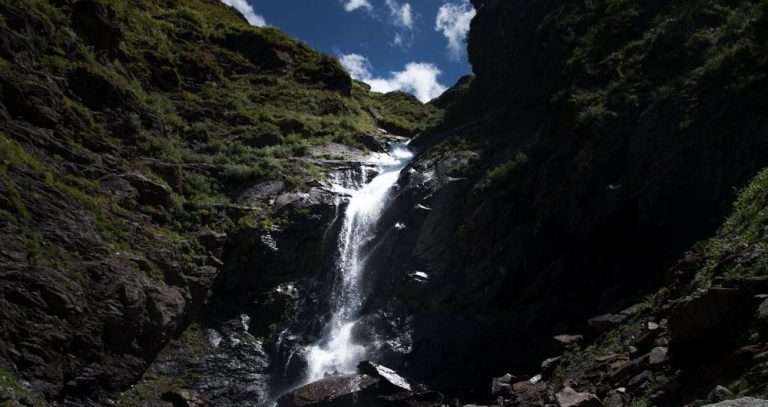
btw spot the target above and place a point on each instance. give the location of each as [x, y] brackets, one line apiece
[411, 45]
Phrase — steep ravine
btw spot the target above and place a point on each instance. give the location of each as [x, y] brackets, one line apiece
[594, 197]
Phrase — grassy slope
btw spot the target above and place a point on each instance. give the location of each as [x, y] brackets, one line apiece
[736, 251]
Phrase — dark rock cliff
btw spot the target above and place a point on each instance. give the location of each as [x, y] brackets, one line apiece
[596, 144]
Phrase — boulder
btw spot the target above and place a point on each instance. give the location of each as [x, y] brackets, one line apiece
[118, 186]
[621, 370]
[213, 241]
[640, 379]
[657, 356]
[150, 192]
[616, 399]
[372, 143]
[389, 377]
[332, 392]
[571, 398]
[502, 384]
[568, 341]
[702, 324]
[548, 366]
[741, 402]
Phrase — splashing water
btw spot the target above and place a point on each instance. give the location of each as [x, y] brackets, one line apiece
[336, 351]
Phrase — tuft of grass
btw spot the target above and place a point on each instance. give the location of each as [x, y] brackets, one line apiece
[502, 172]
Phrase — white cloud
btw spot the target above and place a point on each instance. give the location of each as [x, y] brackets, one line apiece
[352, 5]
[247, 11]
[418, 78]
[357, 65]
[453, 22]
[401, 17]
[402, 14]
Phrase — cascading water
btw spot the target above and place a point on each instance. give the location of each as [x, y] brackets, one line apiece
[337, 351]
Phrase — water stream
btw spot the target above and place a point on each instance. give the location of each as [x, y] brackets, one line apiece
[337, 351]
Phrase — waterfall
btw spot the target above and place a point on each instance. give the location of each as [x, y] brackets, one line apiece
[336, 351]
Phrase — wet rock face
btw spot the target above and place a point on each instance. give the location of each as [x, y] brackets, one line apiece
[225, 366]
[265, 263]
[333, 392]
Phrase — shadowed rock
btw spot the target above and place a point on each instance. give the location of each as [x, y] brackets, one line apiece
[332, 392]
[570, 398]
[741, 402]
[389, 376]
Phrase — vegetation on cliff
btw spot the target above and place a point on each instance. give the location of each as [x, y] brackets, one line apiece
[598, 142]
[130, 134]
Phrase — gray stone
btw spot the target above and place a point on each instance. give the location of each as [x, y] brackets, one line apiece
[741, 402]
[548, 366]
[615, 399]
[502, 384]
[150, 192]
[658, 355]
[568, 341]
[640, 379]
[332, 391]
[719, 393]
[570, 398]
[385, 373]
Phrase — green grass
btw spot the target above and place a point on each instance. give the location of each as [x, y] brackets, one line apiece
[12, 392]
[739, 246]
[578, 362]
[401, 113]
[501, 173]
[12, 154]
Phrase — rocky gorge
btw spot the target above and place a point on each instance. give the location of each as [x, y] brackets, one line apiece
[579, 223]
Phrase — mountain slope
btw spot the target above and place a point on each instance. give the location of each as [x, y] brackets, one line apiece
[132, 138]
